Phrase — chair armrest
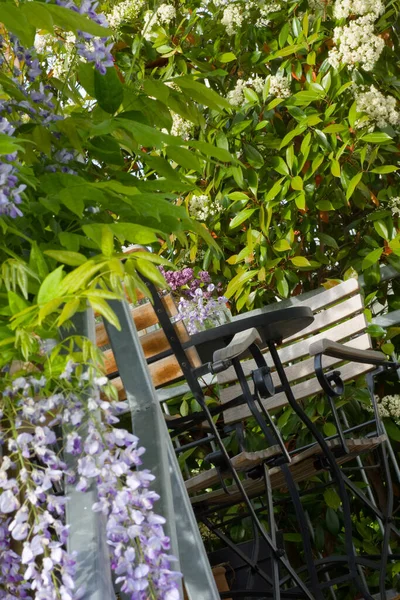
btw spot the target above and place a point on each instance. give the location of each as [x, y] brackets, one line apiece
[239, 344]
[336, 350]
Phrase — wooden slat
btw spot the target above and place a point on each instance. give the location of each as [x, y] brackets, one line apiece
[330, 316]
[302, 467]
[332, 295]
[144, 316]
[301, 390]
[159, 369]
[242, 462]
[299, 349]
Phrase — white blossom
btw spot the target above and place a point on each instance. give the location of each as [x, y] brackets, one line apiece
[232, 19]
[380, 109]
[394, 205]
[356, 43]
[279, 86]
[165, 14]
[388, 407]
[181, 127]
[162, 16]
[236, 96]
[346, 8]
[265, 11]
[43, 43]
[124, 11]
[201, 207]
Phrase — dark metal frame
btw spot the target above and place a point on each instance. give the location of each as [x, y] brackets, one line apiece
[293, 584]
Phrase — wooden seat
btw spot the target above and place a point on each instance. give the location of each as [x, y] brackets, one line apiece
[303, 466]
[339, 315]
[163, 366]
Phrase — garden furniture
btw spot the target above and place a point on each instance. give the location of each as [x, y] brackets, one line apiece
[220, 351]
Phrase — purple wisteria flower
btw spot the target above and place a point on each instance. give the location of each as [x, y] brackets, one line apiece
[107, 458]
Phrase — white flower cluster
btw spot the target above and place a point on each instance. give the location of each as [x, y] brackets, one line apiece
[265, 11]
[346, 8]
[394, 205]
[380, 109]
[279, 86]
[181, 127]
[232, 19]
[236, 96]
[356, 43]
[164, 14]
[202, 207]
[43, 43]
[124, 11]
[389, 406]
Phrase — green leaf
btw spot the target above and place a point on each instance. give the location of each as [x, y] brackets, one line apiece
[242, 216]
[332, 521]
[297, 183]
[353, 184]
[375, 331]
[37, 261]
[73, 259]
[332, 498]
[50, 287]
[300, 261]
[107, 241]
[335, 167]
[325, 205]
[376, 138]
[384, 169]
[150, 271]
[8, 144]
[335, 128]
[103, 308]
[184, 157]
[70, 20]
[289, 136]
[238, 281]
[202, 94]
[16, 303]
[253, 156]
[283, 35]
[108, 90]
[392, 430]
[68, 311]
[14, 20]
[86, 78]
[279, 165]
[78, 278]
[329, 429]
[372, 258]
[282, 246]
[226, 57]
[381, 229]
[274, 191]
[328, 240]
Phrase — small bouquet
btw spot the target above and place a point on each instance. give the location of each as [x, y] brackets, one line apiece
[200, 303]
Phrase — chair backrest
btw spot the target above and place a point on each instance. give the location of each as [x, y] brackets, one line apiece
[163, 366]
[339, 316]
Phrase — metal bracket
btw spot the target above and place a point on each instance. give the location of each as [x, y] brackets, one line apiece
[263, 381]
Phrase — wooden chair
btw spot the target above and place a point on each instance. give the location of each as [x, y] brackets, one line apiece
[338, 314]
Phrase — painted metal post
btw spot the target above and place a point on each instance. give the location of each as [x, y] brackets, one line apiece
[87, 529]
[149, 425]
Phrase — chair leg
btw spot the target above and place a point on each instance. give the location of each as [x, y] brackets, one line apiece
[334, 468]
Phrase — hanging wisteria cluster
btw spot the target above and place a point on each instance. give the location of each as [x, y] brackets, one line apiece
[37, 103]
[37, 459]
